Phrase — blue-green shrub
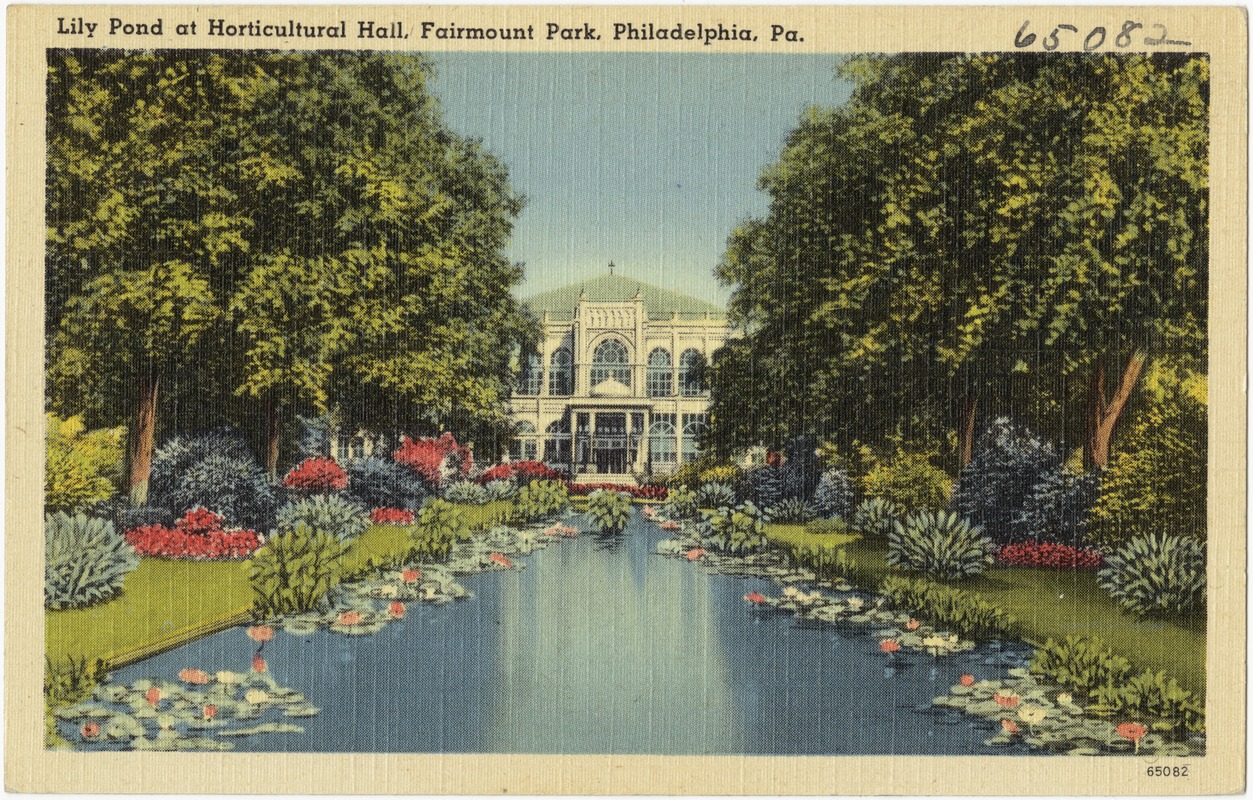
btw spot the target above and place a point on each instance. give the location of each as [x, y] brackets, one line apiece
[540, 500]
[466, 493]
[801, 469]
[1157, 575]
[329, 513]
[1009, 462]
[217, 471]
[382, 483]
[86, 560]
[500, 490]
[762, 486]
[939, 544]
[876, 517]
[1058, 507]
[681, 503]
[792, 509]
[833, 496]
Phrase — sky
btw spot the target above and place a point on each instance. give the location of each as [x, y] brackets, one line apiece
[648, 160]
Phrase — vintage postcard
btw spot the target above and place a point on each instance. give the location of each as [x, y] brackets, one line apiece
[626, 400]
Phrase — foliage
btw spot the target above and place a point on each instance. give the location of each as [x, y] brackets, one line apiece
[762, 486]
[729, 474]
[681, 503]
[500, 490]
[523, 473]
[540, 500]
[1057, 508]
[317, 474]
[328, 513]
[1082, 664]
[909, 481]
[295, 571]
[216, 471]
[1156, 478]
[876, 517]
[436, 460]
[939, 544]
[198, 536]
[826, 562]
[792, 509]
[609, 510]
[993, 490]
[80, 466]
[391, 516]
[647, 492]
[737, 530]
[833, 496]
[70, 680]
[466, 493]
[438, 526]
[1156, 696]
[962, 612]
[715, 495]
[802, 468]
[1048, 556]
[85, 560]
[1157, 575]
[380, 483]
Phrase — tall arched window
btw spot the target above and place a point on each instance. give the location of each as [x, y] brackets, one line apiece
[660, 373]
[691, 373]
[610, 360]
[661, 444]
[532, 375]
[560, 372]
[524, 444]
[557, 444]
[693, 427]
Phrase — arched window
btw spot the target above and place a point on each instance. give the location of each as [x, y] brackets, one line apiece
[693, 427]
[557, 444]
[532, 375]
[661, 449]
[610, 360]
[524, 444]
[660, 373]
[560, 372]
[691, 373]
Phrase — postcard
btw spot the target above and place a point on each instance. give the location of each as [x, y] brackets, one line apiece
[626, 400]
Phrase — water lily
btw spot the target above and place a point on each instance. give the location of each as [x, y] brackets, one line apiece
[166, 722]
[388, 591]
[855, 603]
[227, 677]
[912, 625]
[256, 696]
[410, 576]
[1006, 700]
[153, 696]
[195, 676]
[889, 646]
[258, 663]
[260, 633]
[1133, 731]
[1064, 699]
[396, 609]
[967, 680]
[934, 644]
[210, 711]
[90, 730]
[790, 591]
[349, 618]
[1032, 715]
[755, 598]
[695, 554]
[669, 525]
[1009, 727]
[503, 561]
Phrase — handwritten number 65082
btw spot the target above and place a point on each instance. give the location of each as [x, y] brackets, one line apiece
[1095, 38]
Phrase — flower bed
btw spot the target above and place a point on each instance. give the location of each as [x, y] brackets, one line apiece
[1048, 555]
[638, 492]
[391, 516]
[197, 536]
[524, 471]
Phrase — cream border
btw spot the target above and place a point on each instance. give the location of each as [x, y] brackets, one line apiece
[1220, 31]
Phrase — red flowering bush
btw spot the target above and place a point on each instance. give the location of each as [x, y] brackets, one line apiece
[526, 472]
[197, 536]
[1048, 555]
[317, 474]
[427, 457]
[391, 516]
[639, 492]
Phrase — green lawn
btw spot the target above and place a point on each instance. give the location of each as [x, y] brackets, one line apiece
[1052, 604]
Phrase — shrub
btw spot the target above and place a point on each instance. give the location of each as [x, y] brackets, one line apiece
[688, 474]
[437, 460]
[876, 517]
[763, 486]
[540, 500]
[86, 561]
[1057, 508]
[80, 466]
[833, 496]
[328, 513]
[939, 544]
[792, 509]
[295, 571]
[1157, 575]
[959, 611]
[994, 488]
[1048, 555]
[197, 536]
[317, 474]
[737, 530]
[1081, 664]
[391, 516]
[827, 562]
[1154, 695]
[523, 473]
[908, 481]
[608, 510]
[723, 473]
[466, 493]
[802, 468]
[438, 526]
[379, 483]
[715, 495]
[217, 471]
[500, 490]
[681, 503]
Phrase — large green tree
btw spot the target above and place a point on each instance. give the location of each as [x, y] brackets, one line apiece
[988, 232]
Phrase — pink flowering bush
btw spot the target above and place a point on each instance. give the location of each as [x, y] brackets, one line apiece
[318, 474]
[197, 536]
[430, 458]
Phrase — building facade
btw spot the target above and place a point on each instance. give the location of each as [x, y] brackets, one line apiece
[616, 387]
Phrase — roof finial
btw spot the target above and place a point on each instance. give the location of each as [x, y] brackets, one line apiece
[610, 267]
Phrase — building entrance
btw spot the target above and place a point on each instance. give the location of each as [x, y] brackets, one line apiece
[610, 444]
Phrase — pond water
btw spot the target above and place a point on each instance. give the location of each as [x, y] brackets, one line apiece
[602, 646]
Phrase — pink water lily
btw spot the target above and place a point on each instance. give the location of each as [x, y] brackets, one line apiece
[669, 525]
[261, 633]
[497, 558]
[889, 646]
[912, 625]
[396, 609]
[210, 711]
[153, 696]
[90, 730]
[967, 680]
[695, 554]
[349, 618]
[195, 676]
[258, 663]
[755, 598]
[410, 576]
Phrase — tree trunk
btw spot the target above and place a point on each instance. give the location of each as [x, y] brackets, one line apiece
[273, 429]
[1103, 416]
[967, 437]
[141, 440]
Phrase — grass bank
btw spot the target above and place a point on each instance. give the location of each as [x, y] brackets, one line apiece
[1047, 604]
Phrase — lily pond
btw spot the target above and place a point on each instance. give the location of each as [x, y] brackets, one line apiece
[555, 641]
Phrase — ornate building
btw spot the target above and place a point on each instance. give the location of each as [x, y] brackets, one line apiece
[616, 388]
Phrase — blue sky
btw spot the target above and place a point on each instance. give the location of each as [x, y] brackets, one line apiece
[647, 160]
